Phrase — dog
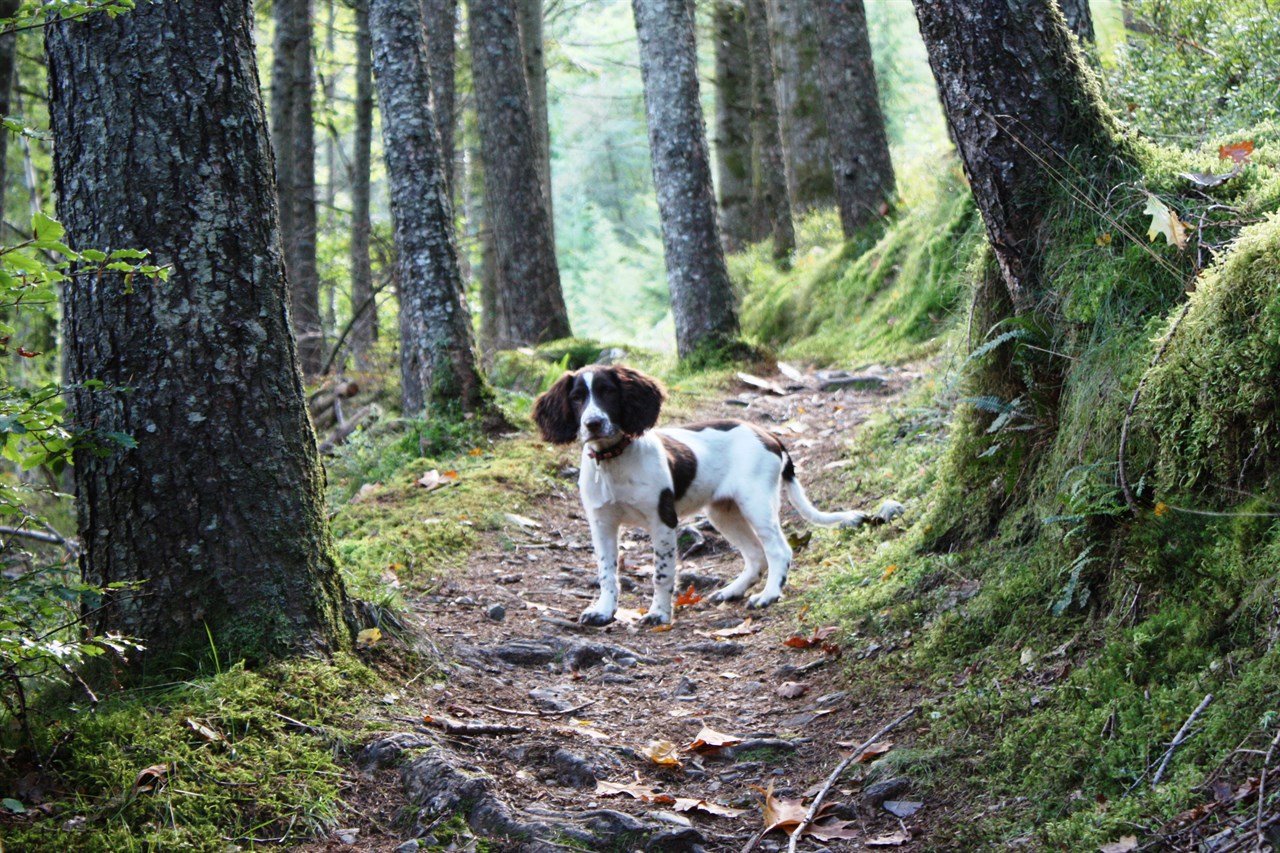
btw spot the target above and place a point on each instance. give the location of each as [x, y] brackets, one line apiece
[636, 475]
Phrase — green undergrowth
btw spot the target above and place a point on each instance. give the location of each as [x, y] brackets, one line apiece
[231, 760]
[1059, 618]
[886, 295]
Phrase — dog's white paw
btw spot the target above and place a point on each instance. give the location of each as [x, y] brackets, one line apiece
[853, 518]
[596, 617]
[726, 594]
[763, 599]
[889, 510]
[655, 617]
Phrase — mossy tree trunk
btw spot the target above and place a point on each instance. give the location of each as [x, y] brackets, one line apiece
[1079, 18]
[535, 75]
[701, 295]
[532, 308]
[860, 164]
[442, 33]
[1018, 100]
[293, 138]
[161, 143]
[769, 197]
[438, 362]
[801, 113]
[733, 122]
[364, 328]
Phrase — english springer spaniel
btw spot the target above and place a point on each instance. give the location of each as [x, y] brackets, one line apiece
[633, 475]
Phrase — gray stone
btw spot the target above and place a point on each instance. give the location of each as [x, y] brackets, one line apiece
[496, 612]
[876, 793]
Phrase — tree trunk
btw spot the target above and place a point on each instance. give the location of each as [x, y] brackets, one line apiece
[532, 304]
[701, 295]
[161, 144]
[802, 117]
[1017, 95]
[442, 25]
[8, 62]
[438, 364]
[769, 180]
[364, 328]
[1079, 19]
[733, 122]
[860, 164]
[293, 138]
[535, 76]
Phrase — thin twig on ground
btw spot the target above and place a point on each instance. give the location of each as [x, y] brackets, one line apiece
[1178, 739]
[575, 709]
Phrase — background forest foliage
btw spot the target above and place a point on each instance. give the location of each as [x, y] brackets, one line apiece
[1071, 618]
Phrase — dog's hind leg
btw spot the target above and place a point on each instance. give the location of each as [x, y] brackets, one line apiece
[764, 519]
[604, 538]
[728, 519]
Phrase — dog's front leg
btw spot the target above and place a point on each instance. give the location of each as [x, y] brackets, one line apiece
[604, 538]
[664, 574]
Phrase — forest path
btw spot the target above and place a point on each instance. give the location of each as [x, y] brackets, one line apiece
[537, 712]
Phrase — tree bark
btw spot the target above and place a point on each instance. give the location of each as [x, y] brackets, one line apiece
[364, 328]
[438, 364]
[8, 62]
[860, 164]
[535, 75]
[769, 180]
[733, 122]
[701, 295]
[293, 138]
[1079, 19]
[442, 30]
[161, 144]
[1017, 95]
[802, 117]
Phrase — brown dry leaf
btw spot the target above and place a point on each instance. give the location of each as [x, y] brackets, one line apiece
[1238, 151]
[663, 752]
[743, 629]
[688, 804]
[710, 739]
[210, 734]
[579, 730]
[688, 597]
[831, 830]
[658, 629]
[896, 840]
[634, 790]
[781, 812]
[792, 689]
[149, 778]
[1124, 845]
[817, 638]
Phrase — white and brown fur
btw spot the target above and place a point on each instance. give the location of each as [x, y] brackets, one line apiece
[634, 475]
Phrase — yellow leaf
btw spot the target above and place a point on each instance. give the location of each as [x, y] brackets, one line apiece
[1161, 509]
[710, 739]
[662, 752]
[888, 571]
[1103, 240]
[1165, 221]
[368, 637]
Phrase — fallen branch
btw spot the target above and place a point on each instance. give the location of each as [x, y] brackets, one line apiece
[816, 805]
[1178, 739]
[52, 537]
[1262, 788]
[572, 710]
[457, 727]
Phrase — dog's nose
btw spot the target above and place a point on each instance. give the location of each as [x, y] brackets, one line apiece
[593, 425]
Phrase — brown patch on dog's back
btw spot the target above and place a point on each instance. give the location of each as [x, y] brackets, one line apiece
[683, 463]
[770, 441]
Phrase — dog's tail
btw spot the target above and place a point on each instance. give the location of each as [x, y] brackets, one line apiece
[888, 510]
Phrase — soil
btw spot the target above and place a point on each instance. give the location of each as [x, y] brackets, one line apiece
[537, 711]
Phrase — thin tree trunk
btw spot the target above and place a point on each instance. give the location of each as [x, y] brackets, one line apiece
[769, 180]
[1079, 19]
[860, 164]
[442, 25]
[535, 75]
[8, 62]
[733, 122]
[439, 366]
[364, 329]
[532, 304]
[802, 117]
[1016, 94]
[219, 511]
[701, 295]
[293, 138]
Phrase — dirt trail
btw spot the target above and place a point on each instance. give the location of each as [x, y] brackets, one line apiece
[537, 711]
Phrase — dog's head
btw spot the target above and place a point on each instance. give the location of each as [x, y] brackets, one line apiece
[597, 404]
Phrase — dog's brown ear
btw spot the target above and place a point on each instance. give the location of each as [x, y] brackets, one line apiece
[553, 412]
[642, 398]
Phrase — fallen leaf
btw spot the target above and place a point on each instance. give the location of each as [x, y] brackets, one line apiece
[762, 384]
[25, 353]
[1165, 221]
[521, 520]
[710, 739]
[368, 637]
[888, 571]
[896, 840]
[688, 597]
[688, 804]
[902, 808]
[663, 752]
[781, 812]
[792, 689]
[831, 830]
[1208, 181]
[1102, 240]
[149, 778]
[742, 629]
[819, 635]
[635, 790]
[212, 735]
[1237, 151]
[874, 751]
[430, 480]
[1124, 845]
[798, 541]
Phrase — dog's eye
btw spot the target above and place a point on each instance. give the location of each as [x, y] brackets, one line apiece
[578, 395]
